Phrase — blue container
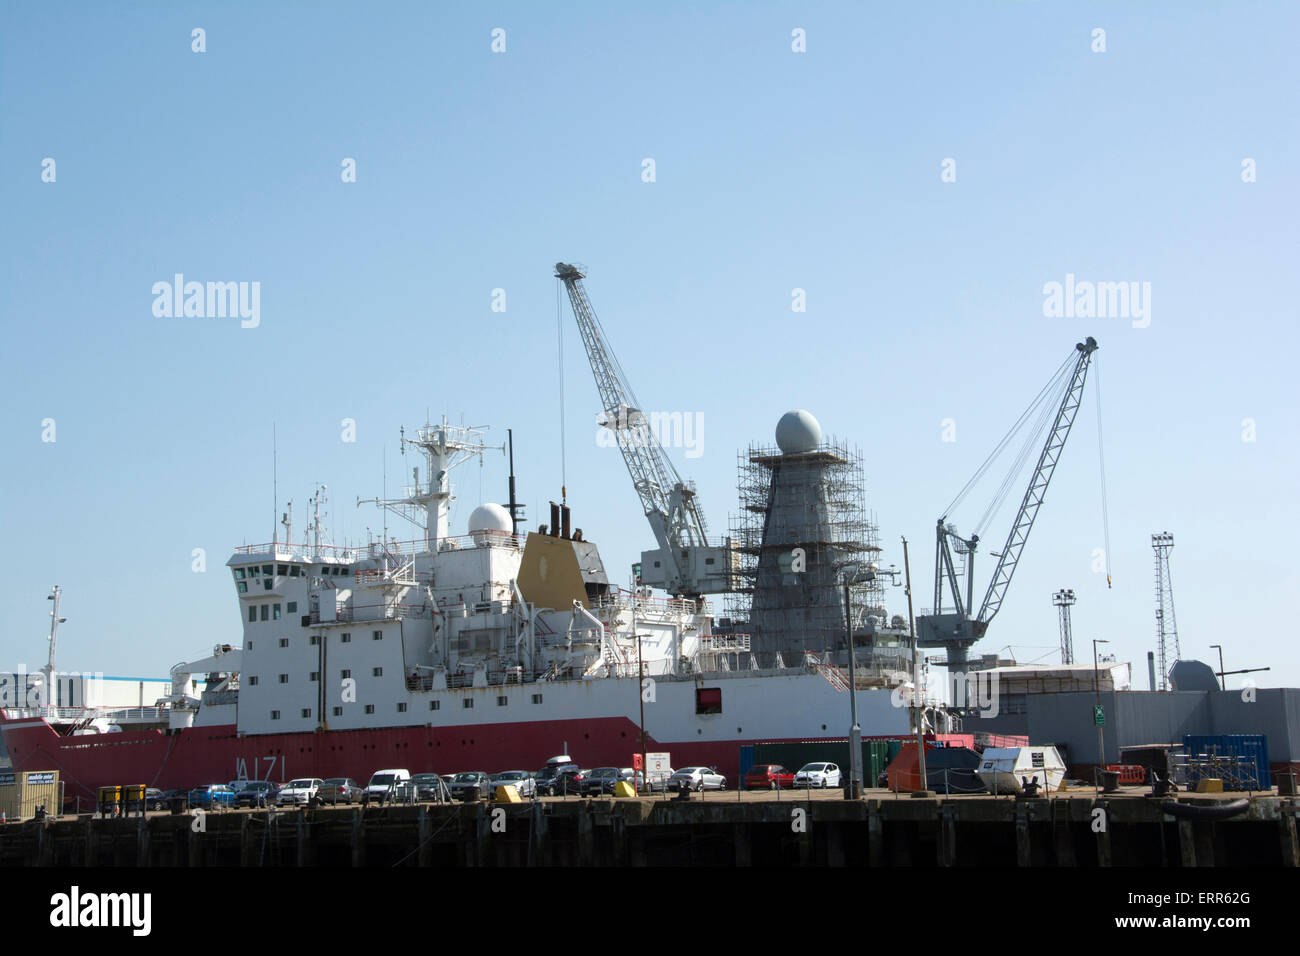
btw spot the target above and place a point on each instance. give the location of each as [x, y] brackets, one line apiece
[746, 761]
[1254, 746]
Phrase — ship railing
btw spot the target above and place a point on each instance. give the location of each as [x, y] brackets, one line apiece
[622, 598]
[378, 549]
[85, 713]
[362, 613]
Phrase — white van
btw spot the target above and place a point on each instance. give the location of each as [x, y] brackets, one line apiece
[384, 784]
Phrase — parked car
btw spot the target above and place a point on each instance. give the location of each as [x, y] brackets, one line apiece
[212, 797]
[698, 778]
[471, 785]
[178, 797]
[154, 799]
[430, 786]
[299, 792]
[558, 779]
[768, 776]
[599, 780]
[385, 783]
[635, 777]
[818, 774]
[257, 793]
[521, 780]
[340, 790]
[659, 779]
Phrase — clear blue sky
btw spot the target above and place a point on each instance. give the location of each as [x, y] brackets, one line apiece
[775, 170]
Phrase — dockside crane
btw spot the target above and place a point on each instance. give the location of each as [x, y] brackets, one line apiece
[685, 564]
[956, 630]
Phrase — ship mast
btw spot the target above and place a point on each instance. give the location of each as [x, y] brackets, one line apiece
[427, 504]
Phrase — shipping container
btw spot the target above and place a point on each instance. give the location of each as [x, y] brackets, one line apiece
[1254, 747]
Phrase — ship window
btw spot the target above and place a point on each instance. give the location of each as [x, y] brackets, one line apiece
[324, 570]
[284, 642]
[502, 701]
[293, 570]
[253, 571]
[345, 673]
[346, 638]
[242, 587]
[266, 584]
[708, 700]
[248, 646]
[275, 612]
[708, 560]
[656, 564]
[253, 680]
[266, 611]
[315, 675]
[338, 711]
[537, 698]
[252, 612]
[377, 636]
[275, 715]
[378, 672]
[315, 639]
[266, 569]
[435, 704]
[306, 711]
[239, 574]
[370, 708]
[282, 569]
[291, 607]
[284, 678]
[401, 706]
[467, 702]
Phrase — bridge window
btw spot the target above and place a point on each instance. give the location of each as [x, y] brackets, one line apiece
[266, 611]
[377, 635]
[291, 607]
[346, 638]
[435, 704]
[467, 702]
[315, 639]
[275, 612]
[282, 569]
[253, 571]
[242, 587]
[266, 569]
[293, 571]
[275, 715]
[239, 574]
[401, 706]
[267, 583]
[252, 612]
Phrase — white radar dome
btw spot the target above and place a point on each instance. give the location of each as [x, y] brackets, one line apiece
[798, 431]
[490, 517]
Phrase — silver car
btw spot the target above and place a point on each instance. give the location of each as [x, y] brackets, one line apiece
[299, 792]
[698, 778]
[521, 780]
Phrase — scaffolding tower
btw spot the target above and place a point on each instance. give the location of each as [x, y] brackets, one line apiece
[1166, 625]
[802, 522]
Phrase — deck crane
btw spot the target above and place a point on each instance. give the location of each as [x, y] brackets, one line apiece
[684, 564]
[956, 630]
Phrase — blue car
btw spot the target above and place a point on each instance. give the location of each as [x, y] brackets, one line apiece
[212, 796]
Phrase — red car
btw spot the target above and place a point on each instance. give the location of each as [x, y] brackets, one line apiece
[768, 776]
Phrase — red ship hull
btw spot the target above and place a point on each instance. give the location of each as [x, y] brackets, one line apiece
[204, 755]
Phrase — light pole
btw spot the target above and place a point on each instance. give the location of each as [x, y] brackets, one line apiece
[916, 677]
[1097, 715]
